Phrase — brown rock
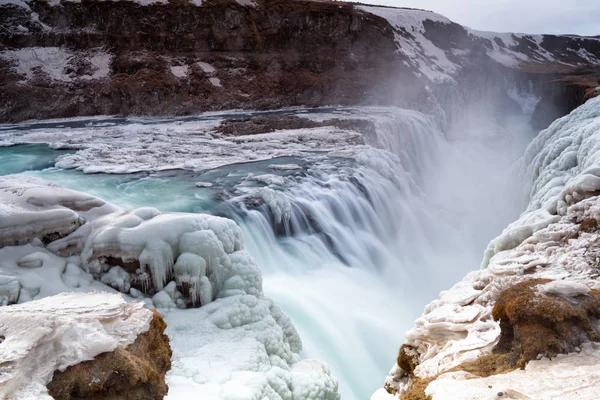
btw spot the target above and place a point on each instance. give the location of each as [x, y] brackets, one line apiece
[534, 323]
[136, 372]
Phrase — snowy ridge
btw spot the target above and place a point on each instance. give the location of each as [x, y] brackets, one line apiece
[181, 260]
[42, 336]
[548, 241]
[429, 60]
[440, 65]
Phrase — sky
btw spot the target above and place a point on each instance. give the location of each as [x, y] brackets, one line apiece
[580, 17]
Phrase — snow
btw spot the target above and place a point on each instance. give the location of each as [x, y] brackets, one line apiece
[430, 61]
[53, 60]
[565, 288]
[20, 3]
[562, 166]
[238, 343]
[31, 208]
[215, 82]
[253, 350]
[284, 167]
[572, 375]
[203, 184]
[180, 71]
[268, 179]
[191, 144]
[42, 336]
[206, 67]
[246, 3]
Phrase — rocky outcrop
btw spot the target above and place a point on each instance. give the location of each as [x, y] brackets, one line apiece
[83, 345]
[62, 59]
[136, 372]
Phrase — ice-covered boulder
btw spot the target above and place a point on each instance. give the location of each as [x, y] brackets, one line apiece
[179, 259]
[31, 209]
[82, 345]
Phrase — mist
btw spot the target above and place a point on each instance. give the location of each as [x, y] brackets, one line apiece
[581, 17]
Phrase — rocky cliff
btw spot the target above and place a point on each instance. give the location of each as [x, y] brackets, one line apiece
[90, 57]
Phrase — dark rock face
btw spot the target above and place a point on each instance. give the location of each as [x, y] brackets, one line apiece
[272, 123]
[176, 58]
[279, 54]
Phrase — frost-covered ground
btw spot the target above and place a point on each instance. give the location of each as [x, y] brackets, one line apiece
[551, 240]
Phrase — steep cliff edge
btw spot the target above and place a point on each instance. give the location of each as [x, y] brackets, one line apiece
[527, 325]
[63, 58]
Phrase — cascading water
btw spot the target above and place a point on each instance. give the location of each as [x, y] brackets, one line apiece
[366, 246]
[352, 247]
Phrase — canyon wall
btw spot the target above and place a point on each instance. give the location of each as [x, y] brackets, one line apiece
[66, 58]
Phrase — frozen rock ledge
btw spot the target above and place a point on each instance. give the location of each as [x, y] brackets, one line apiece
[82, 346]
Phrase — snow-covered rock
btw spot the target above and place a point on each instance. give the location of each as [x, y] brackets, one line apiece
[236, 345]
[55, 333]
[34, 209]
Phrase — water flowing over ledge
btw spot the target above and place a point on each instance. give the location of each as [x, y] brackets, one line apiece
[342, 235]
[546, 264]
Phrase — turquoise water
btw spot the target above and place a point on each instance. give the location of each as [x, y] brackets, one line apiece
[27, 157]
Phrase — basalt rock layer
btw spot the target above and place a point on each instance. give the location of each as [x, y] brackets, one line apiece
[64, 59]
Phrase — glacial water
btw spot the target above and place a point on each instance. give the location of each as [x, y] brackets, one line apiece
[350, 249]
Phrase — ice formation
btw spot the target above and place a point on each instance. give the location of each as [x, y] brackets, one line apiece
[554, 239]
[238, 343]
[42, 336]
[31, 208]
[137, 145]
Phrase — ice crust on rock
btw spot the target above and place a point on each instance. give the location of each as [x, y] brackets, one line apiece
[237, 345]
[561, 168]
[42, 336]
[556, 238]
[31, 209]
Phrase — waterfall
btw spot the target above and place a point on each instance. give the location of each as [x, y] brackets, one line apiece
[366, 244]
[354, 243]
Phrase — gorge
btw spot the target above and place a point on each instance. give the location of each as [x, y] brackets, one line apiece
[348, 162]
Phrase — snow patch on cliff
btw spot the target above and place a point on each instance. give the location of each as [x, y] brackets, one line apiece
[53, 62]
[430, 60]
